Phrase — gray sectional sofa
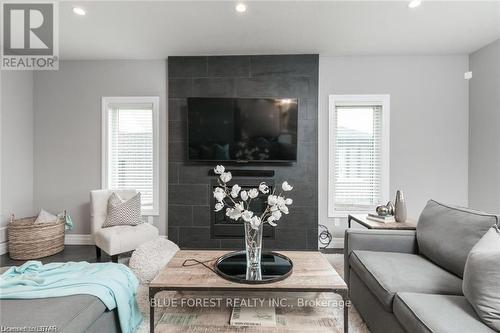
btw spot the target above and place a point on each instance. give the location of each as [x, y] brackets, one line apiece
[68, 314]
[411, 281]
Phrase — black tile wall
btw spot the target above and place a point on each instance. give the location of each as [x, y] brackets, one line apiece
[294, 76]
[229, 66]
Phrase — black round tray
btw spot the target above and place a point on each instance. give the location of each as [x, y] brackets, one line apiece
[274, 267]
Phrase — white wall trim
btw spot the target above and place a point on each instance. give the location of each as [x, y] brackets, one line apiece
[4, 248]
[384, 102]
[338, 243]
[3, 240]
[78, 239]
[3, 235]
[69, 239]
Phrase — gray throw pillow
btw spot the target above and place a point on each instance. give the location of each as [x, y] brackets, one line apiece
[446, 234]
[481, 285]
[123, 212]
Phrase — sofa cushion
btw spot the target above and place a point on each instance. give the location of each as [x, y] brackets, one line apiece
[437, 314]
[386, 273]
[481, 285]
[446, 234]
[68, 314]
[124, 238]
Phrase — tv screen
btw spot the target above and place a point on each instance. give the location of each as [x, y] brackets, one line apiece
[242, 129]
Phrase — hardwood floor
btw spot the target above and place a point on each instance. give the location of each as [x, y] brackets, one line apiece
[70, 253]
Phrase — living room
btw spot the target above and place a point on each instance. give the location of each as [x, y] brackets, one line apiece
[281, 166]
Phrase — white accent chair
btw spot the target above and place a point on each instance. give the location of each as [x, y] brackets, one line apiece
[117, 239]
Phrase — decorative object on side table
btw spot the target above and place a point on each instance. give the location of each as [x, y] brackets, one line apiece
[237, 203]
[365, 221]
[390, 207]
[385, 214]
[400, 207]
[381, 218]
[382, 210]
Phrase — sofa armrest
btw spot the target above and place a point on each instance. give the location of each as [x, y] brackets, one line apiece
[404, 241]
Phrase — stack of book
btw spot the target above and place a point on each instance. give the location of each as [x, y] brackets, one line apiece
[382, 219]
[253, 316]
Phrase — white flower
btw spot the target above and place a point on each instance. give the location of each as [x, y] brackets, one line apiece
[219, 194]
[219, 206]
[276, 214]
[253, 193]
[280, 201]
[235, 190]
[219, 169]
[255, 222]
[247, 215]
[270, 220]
[272, 200]
[244, 195]
[264, 188]
[283, 208]
[226, 177]
[288, 201]
[233, 213]
[239, 206]
[286, 187]
[274, 208]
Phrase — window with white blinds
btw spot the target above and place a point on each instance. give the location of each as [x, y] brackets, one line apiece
[131, 148]
[359, 154]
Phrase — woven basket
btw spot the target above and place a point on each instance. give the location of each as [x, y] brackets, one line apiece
[30, 240]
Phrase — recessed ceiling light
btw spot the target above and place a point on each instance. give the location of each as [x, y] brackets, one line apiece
[414, 3]
[241, 8]
[79, 11]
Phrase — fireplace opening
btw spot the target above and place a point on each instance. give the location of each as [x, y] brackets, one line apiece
[222, 227]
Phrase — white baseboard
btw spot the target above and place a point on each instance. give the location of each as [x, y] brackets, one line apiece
[82, 239]
[78, 239]
[4, 245]
[4, 248]
[338, 243]
[3, 234]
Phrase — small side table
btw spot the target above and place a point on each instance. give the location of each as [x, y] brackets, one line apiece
[409, 224]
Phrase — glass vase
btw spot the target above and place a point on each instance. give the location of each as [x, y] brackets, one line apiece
[253, 246]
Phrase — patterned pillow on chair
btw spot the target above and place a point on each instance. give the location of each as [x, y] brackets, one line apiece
[123, 212]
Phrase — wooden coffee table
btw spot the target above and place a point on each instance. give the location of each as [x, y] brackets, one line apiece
[311, 273]
[409, 224]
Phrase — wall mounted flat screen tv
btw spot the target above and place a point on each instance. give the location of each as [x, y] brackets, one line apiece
[242, 129]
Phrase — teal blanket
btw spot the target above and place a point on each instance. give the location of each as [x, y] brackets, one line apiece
[114, 284]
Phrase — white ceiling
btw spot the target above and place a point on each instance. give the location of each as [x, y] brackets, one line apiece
[157, 29]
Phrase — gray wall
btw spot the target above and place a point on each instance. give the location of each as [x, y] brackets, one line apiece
[68, 130]
[16, 145]
[429, 124]
[242, 76]
[484, 129]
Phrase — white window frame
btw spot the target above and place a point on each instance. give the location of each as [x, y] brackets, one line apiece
[155, 101]
[353, 100]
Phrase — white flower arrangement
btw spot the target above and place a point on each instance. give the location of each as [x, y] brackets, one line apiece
[237, 201]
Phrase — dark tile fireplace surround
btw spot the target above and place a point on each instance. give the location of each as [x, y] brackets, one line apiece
[190, 203]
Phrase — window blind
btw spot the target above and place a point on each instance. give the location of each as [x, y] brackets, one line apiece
[131, 150]
[358, 157]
